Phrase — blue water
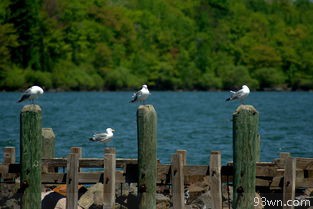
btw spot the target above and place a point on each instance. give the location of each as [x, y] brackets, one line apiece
[198, 122]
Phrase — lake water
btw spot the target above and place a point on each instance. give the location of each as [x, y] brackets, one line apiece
[198, 122]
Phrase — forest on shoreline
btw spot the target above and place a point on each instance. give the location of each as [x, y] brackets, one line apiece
[166, 44]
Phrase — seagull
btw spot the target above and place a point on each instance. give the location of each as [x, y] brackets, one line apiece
[240, 94]
[141, 95]
[30, 94]
[103, 137]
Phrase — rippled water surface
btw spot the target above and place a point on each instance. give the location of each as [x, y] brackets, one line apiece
[198, 122]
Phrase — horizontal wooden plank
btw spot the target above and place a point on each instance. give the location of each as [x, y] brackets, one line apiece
[87, 162]
[83, 177]
[304, 163]
[267, 173]
[301, 163]
[189, 170]
[304, 182]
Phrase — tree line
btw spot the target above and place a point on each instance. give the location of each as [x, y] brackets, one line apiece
[167, 44]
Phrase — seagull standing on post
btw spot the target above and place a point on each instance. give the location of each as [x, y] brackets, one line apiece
[240, 94]
[31, 94]
[141, 95]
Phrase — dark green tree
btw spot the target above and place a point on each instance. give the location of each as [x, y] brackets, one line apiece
[25, 16]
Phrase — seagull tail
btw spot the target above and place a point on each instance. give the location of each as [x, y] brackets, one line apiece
[228, 99]
[92, 139]
[20, 100]
[24, 97]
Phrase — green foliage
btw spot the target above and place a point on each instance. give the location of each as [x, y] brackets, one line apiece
[38, 78]
[7, 40]
[269, 77]
[12, 78]
[120, 78]
[170, 45]
[67, 75]
[25, 16]
[236, 76]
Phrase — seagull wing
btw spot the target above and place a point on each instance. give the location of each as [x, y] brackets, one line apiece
[27, 93]
[102, 137]
[238, 94]
[136, 95]
[24, 97]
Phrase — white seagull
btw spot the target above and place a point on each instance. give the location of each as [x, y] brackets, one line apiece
[240, 94]
[141, 95]
[30, 94]
[103, 137]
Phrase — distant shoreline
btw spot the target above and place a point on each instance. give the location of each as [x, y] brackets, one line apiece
[160, 90]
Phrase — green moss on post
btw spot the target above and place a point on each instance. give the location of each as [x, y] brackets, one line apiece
[245, 145]
[30, 153]
[147, 161]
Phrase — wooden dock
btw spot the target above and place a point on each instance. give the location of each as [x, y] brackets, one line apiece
[270, 176]
[284, 175]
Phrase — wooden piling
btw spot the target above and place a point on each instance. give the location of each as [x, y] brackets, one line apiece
[48, 143]
[147, 160]
[177, 176]
[183, 154]
[283, 156]
[48, 147]
[77, 150]
[245, 138]
[9, 155]
[215, 179]
[30, 154]
[109, 179]
[289, 183]
[258, 148]
[72, 180]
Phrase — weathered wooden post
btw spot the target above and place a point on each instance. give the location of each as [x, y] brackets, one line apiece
[30, 154]
[8, 158]
[215, 179]
[48, 143]
[109, 178]
[9, 155]
[245, 137]
[289, 183]
[147, 157]
[177, 175]
[77, 150]
[48, 147]
[183, 154]
[258, 149]
[72, 180]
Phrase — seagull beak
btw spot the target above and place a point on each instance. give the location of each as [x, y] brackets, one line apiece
[113, 130]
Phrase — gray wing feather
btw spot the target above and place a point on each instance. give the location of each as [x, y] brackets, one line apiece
[237, 94]
[136, 95]
[24, 97]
